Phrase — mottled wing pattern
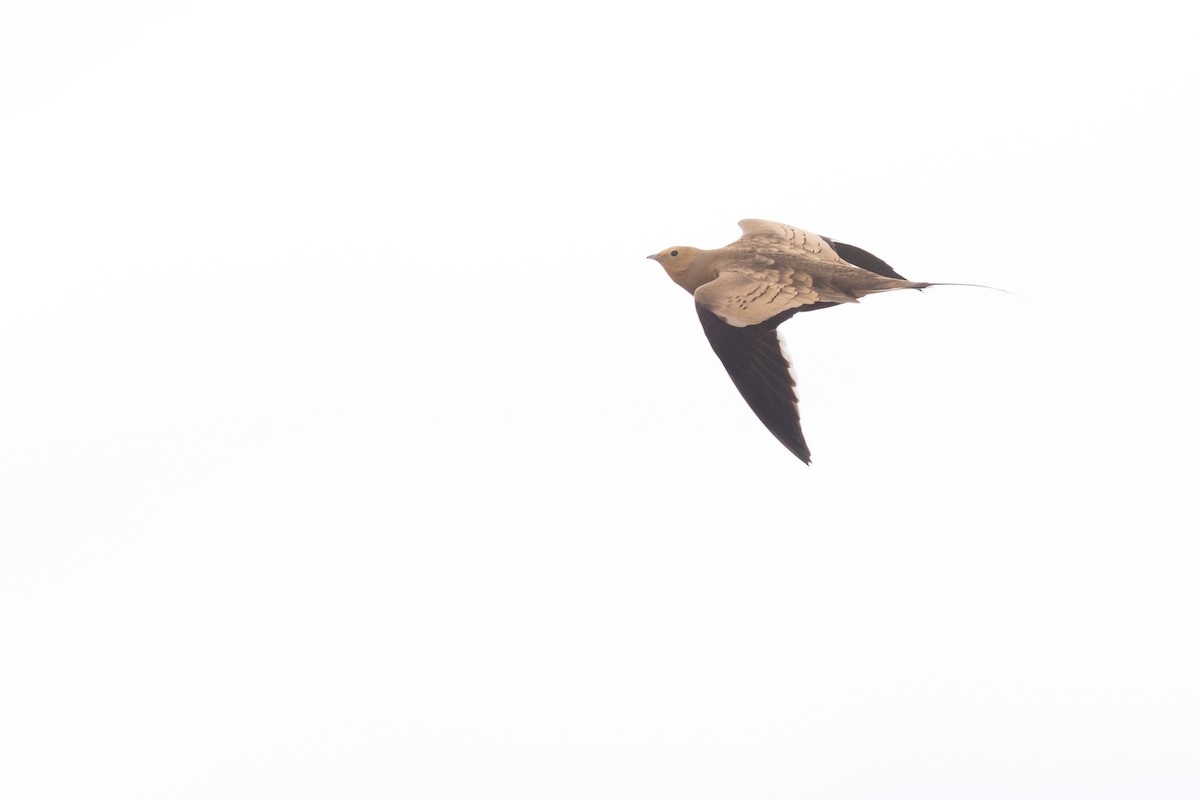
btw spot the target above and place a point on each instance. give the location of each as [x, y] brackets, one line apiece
[744, 296]
[763, 236]
[756, 361]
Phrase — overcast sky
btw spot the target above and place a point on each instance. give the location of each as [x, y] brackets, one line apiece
[350, 447]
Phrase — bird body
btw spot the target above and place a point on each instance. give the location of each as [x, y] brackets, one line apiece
[743, 291]
[771, 269]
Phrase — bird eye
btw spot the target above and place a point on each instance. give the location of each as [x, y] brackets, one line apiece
[674, 252]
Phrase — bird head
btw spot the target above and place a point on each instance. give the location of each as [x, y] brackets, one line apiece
[676, 260]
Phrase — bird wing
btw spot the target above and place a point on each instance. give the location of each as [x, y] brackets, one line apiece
[744, 296]
[862, 259]
[760, 235]
[756, 360]
[763, 236]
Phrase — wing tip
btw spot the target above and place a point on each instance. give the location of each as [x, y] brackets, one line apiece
[799, 450]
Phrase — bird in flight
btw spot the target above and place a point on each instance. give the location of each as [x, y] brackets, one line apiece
[743, 291]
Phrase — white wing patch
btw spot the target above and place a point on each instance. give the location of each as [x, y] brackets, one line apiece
[787, 356]
[743, 296]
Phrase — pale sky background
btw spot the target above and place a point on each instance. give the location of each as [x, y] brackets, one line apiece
[351, 448]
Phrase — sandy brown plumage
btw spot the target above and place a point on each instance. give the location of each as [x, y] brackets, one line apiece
[743, 291]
